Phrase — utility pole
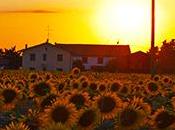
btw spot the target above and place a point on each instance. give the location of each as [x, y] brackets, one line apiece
[153, 38]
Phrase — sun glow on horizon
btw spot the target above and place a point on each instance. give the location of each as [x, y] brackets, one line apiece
[125, 20]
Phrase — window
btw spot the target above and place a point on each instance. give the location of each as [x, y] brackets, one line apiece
[100, 60]
[32, 57]
[59, 69]
[44, 57]
[84, 59]
[59, 57]
[32, 68]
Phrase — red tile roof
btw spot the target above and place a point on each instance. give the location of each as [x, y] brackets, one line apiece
[96, 50]
[91, 49]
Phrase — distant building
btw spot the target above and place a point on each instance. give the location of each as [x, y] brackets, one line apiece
[47, 56]
[139, 62]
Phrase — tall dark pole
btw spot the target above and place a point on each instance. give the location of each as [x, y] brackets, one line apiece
[153, 25]
[152, 38]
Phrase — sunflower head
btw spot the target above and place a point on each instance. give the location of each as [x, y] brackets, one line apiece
[16, 126]
[9, 96]
[60, 86]
[56, 126]
[156, 78]
[33, 76]
[32, 120]
[76, 71]
[87, 119]
[152, 88]
[133, 114]
[47, 101]
[115, 86]
[125, 90]
[75, 85]
[162, 119]
[108, 104]
[128, 117]
[102, 87]
[84, 84]
[79, 99]
[93, 86]
[40, 89]
[62, 112]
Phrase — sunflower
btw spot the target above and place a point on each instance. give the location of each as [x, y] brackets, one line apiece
[102, 88]
[62, 112]
[115, 86]
[125, 90]
[93, 86]
[163, 119]
[84, 84]
[9, 96]
[83, 78]
[152, 88]
[55, 126]
[75, 84]
[32, 120]
[41, 89]
[75, 71]
[21, 84]
[79, 99]
[166, 81]
[87, 119]
[16, 126]
[47, 101]
[60, 86]
[108, 104]
[156, 78]
[133, 114]
[33, 76]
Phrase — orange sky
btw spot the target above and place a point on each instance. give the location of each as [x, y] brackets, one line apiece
[87, 21]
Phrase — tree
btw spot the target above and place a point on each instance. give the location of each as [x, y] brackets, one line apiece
[79, 64]
[166, 57]
[13, 58]
[112, 65]
[1, 52]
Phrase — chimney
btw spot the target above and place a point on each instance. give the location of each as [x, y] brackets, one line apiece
[26, 46]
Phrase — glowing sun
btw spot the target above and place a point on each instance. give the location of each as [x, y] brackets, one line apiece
[126, 19]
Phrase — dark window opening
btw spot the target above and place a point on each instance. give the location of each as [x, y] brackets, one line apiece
[32, 57]
[59, 57]
[44, 57]
[84, 59]
[32, 68]
[100, 60]
[59, 69]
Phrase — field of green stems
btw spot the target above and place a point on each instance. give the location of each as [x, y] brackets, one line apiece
[36, 100]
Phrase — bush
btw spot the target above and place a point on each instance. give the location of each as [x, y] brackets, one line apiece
[112, 66]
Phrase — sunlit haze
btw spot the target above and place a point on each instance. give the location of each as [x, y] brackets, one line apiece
[85, 21]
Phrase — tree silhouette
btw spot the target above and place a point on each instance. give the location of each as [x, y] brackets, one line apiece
[13, 58]
[166, 57]
[1, 52]
[78, 64]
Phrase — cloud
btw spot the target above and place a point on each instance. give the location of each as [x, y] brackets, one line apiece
[30, 11]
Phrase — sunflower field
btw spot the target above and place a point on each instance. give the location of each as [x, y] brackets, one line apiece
[36, 100]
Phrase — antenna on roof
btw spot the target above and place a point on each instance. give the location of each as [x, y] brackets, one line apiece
[48, 33]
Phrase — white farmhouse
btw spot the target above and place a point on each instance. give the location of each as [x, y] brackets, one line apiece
[47, 56]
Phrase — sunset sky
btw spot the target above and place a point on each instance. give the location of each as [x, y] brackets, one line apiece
[85, 21]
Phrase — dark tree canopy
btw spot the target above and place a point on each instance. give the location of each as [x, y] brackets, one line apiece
[12, 59]
[167, 57]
